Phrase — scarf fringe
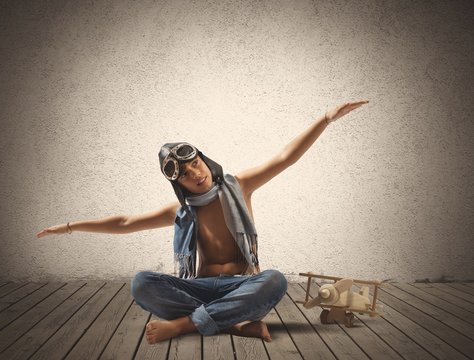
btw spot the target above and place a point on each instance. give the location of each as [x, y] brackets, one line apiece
[186, 266]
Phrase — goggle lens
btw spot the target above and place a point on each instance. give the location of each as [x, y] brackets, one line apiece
[170, 168]
[185, 151]
[180, 153]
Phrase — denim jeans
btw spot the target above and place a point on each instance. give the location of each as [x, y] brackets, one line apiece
[213, 303]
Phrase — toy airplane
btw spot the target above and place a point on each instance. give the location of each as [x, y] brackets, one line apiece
[341, 300]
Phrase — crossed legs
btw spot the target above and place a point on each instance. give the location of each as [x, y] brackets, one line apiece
[230, 304]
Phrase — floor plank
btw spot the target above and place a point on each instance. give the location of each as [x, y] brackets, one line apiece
[455, 292]
[157, 351]
[32, 310]
[306, 339]
[38, 335]
[93, 342]
[404, 335]
[22, 306]
[281, 346]
[10, 287]
[249, 348]
[18, 294]
[444, 342]
[58, 345]
[99, 319]
[447, 296]
[433, 307]
[337, 340]
[218, 347]
[462, 287]
[186, 347]
[126, 339]
[370, 343]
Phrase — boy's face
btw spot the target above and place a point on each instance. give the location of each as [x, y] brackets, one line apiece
[195, 176]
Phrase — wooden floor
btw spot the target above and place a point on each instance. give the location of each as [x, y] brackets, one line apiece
[99, 320]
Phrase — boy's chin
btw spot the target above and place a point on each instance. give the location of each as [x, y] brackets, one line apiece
[200, 191]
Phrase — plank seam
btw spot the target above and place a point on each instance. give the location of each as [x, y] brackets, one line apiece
[233, 347]
[202, 348]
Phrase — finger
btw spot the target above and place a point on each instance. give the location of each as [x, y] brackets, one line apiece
[356, 105]
[44, 232]
[359, 103]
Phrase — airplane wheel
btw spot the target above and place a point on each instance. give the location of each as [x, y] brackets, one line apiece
[324, 317]
[349, 320]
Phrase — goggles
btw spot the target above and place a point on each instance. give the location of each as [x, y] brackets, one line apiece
[178, 154]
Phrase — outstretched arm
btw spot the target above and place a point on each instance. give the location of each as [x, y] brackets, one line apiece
[253, 178]
[119, 224]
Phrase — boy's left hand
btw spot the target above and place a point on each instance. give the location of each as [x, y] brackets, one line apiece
[343, 109]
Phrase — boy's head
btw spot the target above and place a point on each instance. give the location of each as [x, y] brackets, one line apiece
[188, 170]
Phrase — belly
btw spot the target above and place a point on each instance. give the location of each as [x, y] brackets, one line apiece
[219, 255]
[218, 251]
[230, 268]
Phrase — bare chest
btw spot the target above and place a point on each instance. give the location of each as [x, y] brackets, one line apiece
[218, 252]
[215, 242]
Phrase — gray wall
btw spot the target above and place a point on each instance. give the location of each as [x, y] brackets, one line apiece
[89, 91]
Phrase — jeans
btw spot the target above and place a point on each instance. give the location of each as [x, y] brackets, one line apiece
[213, 303]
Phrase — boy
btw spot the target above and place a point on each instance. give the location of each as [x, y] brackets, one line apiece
[220, 287]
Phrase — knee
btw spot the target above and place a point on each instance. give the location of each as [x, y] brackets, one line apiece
[140, 284]
[277, 282]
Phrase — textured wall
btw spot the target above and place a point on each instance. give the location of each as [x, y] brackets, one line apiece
[89, 91]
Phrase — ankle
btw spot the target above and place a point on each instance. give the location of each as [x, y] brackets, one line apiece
[185, 325]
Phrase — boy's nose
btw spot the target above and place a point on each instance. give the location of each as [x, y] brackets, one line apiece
[195, 173]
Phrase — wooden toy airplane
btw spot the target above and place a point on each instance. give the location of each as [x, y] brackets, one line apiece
[341, 300]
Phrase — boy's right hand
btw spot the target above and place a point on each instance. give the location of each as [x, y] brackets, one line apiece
[57, 230]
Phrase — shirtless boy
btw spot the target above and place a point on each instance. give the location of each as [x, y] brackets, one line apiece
[220, 287]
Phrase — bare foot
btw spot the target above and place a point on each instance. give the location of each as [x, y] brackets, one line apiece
[159, 330]
[256, 329]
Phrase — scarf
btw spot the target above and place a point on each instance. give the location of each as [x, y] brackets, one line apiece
[237, 219]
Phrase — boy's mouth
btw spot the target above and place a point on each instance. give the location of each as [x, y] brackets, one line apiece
[202, 180]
